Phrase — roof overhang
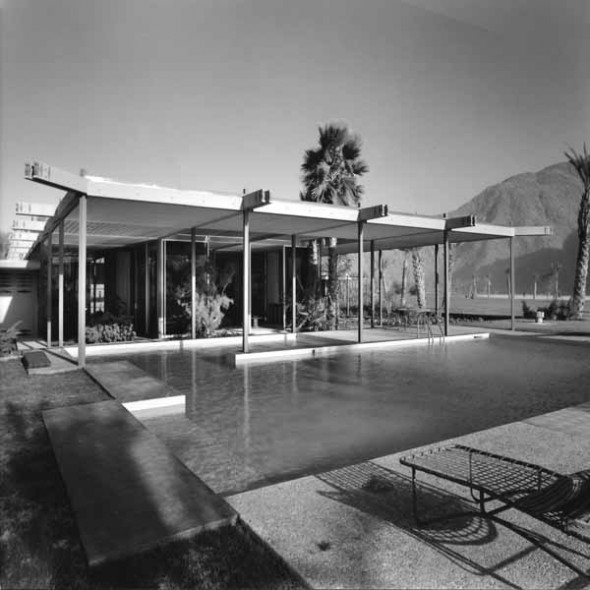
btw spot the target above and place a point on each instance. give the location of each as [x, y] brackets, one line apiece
[123, 215]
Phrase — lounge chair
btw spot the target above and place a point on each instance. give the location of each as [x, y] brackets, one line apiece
[560, 501]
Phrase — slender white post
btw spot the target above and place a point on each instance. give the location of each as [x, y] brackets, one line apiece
[82, 246]
[160, 263]
[446, 286]
[512, 285]
[49, 304]
[293, 283]
[193, 283]
[380, 287]
[372, 284]
[284, 289]
[60, 287]
[146, 286]
[246, 281]
[436, 279]
[361, 227]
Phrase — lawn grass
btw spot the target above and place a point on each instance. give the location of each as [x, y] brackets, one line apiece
[39, 542]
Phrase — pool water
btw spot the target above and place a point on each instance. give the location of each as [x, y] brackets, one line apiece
[252, 425]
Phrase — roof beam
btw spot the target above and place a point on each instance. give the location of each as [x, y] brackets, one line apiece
[458, 222]
[539, 230]
[51, 176]
[255, 200]
[374, 212]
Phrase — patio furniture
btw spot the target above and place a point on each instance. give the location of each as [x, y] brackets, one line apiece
[560, 501]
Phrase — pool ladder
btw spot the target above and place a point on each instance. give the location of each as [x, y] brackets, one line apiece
[423, 319]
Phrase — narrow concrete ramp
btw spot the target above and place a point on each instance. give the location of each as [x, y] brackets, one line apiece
[129, 493]
[127, 382]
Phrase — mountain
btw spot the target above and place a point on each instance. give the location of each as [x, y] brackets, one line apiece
[548, 197]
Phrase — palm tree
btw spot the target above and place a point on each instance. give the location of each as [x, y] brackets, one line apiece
[581, 163]
[418, 269]
[330, 174]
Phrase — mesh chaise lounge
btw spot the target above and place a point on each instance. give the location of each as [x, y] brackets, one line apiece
[560, 501]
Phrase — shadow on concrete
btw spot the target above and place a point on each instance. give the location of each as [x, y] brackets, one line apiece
[387, 495]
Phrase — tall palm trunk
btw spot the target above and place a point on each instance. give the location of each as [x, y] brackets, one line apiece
[402, 301]
[579, 291]
[313, 267]
[333, 284]
[418, 267]
[581, 163]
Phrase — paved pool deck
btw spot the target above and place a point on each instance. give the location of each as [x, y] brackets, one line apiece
[340, 530]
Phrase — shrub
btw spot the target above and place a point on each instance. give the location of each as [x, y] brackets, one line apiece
[312, 314]
[528, 312]
[107, 327]
[556, 310]
[209, 312]
[8, 339]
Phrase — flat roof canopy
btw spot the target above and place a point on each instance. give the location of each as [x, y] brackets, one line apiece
[122, 215]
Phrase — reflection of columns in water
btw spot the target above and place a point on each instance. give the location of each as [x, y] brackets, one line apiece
[246, 419]
[191, 403]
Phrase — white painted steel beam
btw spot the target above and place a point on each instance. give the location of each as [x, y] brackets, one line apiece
[375, 212]
[54, 177]
[460, 222]
[255, 200]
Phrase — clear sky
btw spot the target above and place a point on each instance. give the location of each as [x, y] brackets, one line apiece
[449, 96]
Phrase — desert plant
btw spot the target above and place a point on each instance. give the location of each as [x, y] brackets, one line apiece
[209, 312]
[8, 339]
[108, 327]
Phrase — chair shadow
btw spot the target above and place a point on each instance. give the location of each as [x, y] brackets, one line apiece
[387, 495]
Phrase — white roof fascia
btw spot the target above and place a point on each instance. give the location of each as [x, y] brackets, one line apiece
[313, 210]
[156, 194]
[52, 176]
[488, 231]
[35, 209]
[410, 221]
[535, 230]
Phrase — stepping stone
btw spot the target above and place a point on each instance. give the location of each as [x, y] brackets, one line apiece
[36, 359]
[129, 493]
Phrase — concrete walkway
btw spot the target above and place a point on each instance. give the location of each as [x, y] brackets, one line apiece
[352, 527]
[129, 493]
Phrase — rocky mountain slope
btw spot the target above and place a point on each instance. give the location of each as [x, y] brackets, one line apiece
[548, 197]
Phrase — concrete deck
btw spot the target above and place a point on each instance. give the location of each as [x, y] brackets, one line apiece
[352, 527]
[127, 491]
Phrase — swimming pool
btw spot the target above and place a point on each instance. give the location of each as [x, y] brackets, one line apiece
[251, 425]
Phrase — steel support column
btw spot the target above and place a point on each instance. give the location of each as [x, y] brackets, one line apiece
[193, 283]
[160, 303]
[60, 287]
[436, 279]
[446, 283]
[361, 227]
[380, 287]
[49, 297]
[82, 248]
[372, 284]
[146, 286]
[512, 285]
[294, 283]
[246, 281]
